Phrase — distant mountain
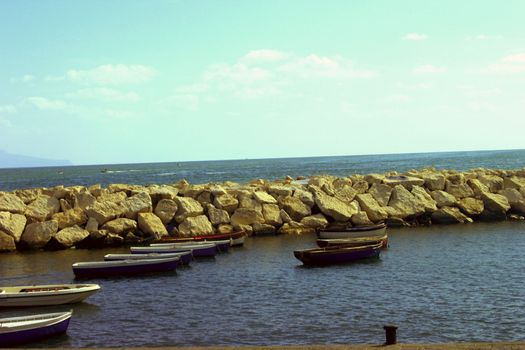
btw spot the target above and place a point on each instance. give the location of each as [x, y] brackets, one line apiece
[8, 160]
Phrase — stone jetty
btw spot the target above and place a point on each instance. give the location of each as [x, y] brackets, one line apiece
[79, 216]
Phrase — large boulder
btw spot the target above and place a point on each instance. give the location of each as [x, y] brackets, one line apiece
[458, 189]
[264, 198]
[405, 203]
[443, 199]
[424, 198]
[38, 234]
[7, 242]
[314, 221]
[263, 229]
[434, 181]
[496, 206]
[470, 206]
[70, 236]
[513, 195]
[159, 192]
[305, 197]
[196, 226]
[513, 182]
[187, 207]
[42, 208]
[272, 214]
[361, 219]
[166, 210]
[12, 224]
[294, 207]
[11, 203]
[360, 186]
[71, 217]
[405, 181]
[105, 211]
[493, 182]
[84, 200]
[245, 216]
[250, 203]
[26, 195]
[449, 215]
[477, 187]
[331, 206]
[280, 190]
[381, 193]
[138, 203]
[151, 225]
[372, 208]
[120, 226]
[226, 202]
[217, 216]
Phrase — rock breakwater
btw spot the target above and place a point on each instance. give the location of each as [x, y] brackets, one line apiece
[79, 216]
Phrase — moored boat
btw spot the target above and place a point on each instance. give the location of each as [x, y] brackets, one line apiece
[222, 245]
[185, 257]
[237, 238]
[40, 295]
[370, 231]
[337, 254]
[26, 329]
[124, 267]
[353, 242]
[200, 250]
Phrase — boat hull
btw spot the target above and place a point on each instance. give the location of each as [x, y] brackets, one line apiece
[353, 242]
[125, 267]
[18, 335]
[205, 251]
[336, 255]
[185, 257]
[41, 297]
[374, 231]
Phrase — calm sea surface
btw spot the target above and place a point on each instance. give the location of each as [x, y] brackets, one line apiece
[438, 284]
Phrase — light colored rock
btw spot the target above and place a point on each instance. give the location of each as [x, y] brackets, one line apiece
[494, 183]
[84, 200]
[138, 203]
[187, 207]
[406, 204]
[95, 189]
[381, 193]
[196, 225]
[225, 228]
[260, 229]
[105, 211]
[159, 192]
[434, 181]
[65, 205]
[12, 224]
[38, 234]
[99, 235]
[374, 179]
[513, 182]
[360, 219]
[403, 180]
[280, 190]
[305, 197]
[205, 198]
[272, 214]
[218, 190]
[477, 187]
[294, 207]
[284, 216]
[264, 198]
[314, 221]
[70, 218]
[120, 226]
[91, 225]
[458, 190]
[245, 216]
[26, 195]
[151, 225]
[250, 203]
[496, 206]
[166, 210]
[373, 210]
[332, 206]
[342, 182]
[42, 208]
[448, 215]
[70, 236]
[424, 198]
[470, 206]
[512, 195]
[7, 242]
[345, 194]
[218, 216]
[443, 199]
[295, 228]
[360, 186]
[112, 239]
[226, 202]
[115, 197]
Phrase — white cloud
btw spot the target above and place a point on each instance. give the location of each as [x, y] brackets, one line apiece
[118, 114]
[24, 79]
[264, 55]
[415, 37]
[112, 74]
[511, 64]
[5, 122]
[105, 94]
[7, 109]
[429, 69]
[314, 66]
[46, 104]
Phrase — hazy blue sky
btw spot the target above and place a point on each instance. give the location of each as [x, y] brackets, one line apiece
[147, 81]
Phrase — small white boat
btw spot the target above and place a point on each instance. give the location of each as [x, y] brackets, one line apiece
[124, 267]
[198, 250]
[185, 257]
[222, 245]
[53, 294]
[26, 329]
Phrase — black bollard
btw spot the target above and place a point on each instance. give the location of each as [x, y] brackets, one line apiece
[390, 334]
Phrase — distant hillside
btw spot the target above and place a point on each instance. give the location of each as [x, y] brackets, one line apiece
[8, 160]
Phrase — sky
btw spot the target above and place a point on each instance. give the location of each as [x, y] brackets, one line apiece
[101, 82]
